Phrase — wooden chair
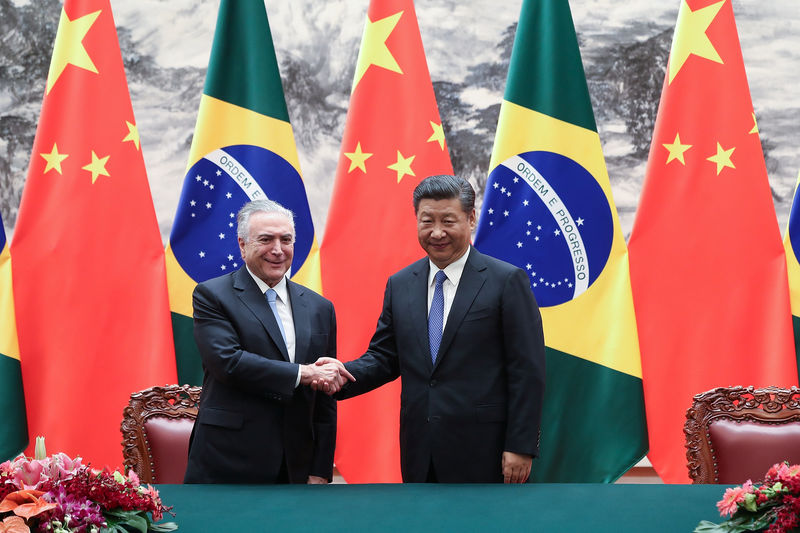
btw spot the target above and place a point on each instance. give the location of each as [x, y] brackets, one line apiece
[736, 433]
[156, 426]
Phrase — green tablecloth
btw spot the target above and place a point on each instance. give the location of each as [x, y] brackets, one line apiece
[561, 508]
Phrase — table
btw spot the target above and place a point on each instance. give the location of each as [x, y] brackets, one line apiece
[564, 508]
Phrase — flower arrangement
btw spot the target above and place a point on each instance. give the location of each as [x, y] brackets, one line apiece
[773, 506]
[58, 494]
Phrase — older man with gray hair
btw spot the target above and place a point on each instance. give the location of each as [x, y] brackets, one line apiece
[259, 334]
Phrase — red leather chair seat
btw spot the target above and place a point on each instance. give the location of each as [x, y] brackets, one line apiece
[156, 426]
[737, 433]
[747, 449]
[169, 446]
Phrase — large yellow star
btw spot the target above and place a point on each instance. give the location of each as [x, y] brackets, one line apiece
[676, 150]
[438, 134]
[373, 46]
[357, 159]
[690, 36]
[133, 134]
[68, 49]
[54, 160]
[97, 167]
[722, 158]
[403, 166]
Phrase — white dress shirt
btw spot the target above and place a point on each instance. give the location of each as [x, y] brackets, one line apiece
[453, 272]
[284, 307]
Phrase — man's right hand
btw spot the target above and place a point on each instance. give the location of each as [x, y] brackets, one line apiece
[326, 374]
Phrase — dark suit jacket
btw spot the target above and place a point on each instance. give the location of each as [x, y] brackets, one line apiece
[484, 394]
[251, 415]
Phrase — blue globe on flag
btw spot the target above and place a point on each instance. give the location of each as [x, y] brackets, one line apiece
[204, 237]
[546, 214]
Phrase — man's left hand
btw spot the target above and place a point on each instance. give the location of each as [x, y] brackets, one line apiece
[316, 480]
[516, 467]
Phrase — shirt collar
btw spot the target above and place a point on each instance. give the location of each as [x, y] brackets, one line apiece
[280, 288]
[453, 271]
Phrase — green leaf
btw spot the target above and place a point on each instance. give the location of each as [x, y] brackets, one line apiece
[163, 526]
[750, 502]
[709, 527]
[124, 521]
[139, 523]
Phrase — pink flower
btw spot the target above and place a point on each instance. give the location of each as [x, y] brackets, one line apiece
[133, 478]
[784, 472]
[28, 474]
[729, 503]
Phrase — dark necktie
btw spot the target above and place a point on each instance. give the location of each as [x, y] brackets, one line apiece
[436, 315]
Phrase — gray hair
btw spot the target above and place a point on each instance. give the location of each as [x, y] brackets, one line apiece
[259, 206]
[444, 187]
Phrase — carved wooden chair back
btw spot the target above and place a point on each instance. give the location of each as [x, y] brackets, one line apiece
[737, 433]
[156, 426]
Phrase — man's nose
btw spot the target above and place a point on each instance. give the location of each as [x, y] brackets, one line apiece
[438, 231]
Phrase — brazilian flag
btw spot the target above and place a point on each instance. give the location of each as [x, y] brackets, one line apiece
[791, 243]
[14, 435]
[548, 209]
[243, 149]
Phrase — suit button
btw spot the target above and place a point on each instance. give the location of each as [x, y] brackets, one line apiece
[433, 383]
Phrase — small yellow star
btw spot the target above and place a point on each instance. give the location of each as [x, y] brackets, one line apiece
[54, 160]
[403, 166]
[133, 134]
[722, 158]
[754, 129]
[690, 36]
[97, 167]
[68, 48]
[373, 47]
[438, 134]
[357, 159]
[676, 150]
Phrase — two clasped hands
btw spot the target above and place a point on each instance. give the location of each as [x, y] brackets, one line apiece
[327, 375]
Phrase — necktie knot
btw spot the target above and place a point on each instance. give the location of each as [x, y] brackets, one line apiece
[439, 278]
[272, 296]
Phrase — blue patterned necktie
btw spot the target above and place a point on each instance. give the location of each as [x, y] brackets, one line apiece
[436, 315]
[271, 298]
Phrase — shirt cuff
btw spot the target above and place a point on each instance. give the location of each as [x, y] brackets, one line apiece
[297, 381]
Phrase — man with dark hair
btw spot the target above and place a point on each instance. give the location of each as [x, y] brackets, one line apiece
[258, 335]
[464, 332]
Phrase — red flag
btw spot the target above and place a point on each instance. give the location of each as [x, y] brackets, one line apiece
[89, 280]
[707, 265]
[393, 138]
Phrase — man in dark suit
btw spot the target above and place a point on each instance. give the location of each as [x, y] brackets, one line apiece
[464, 332]
[257, 331]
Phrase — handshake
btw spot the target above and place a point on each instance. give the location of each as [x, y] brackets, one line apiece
[327, 375]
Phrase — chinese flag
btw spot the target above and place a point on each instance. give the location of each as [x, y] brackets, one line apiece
[89, 280]
[393, 138]
[707, 266]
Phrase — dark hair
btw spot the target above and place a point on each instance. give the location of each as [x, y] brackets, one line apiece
[444, 187]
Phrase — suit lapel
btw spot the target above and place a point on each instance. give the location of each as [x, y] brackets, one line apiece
[418, 307]
[472, 279]
[302, 322]
[250, 295]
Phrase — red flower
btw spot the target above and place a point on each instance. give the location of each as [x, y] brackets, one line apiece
[26, 503]
[14, 524]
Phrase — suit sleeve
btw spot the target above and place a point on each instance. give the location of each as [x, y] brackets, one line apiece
[380, 364]
[523, 338]
[224, 358]
[325, 418]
